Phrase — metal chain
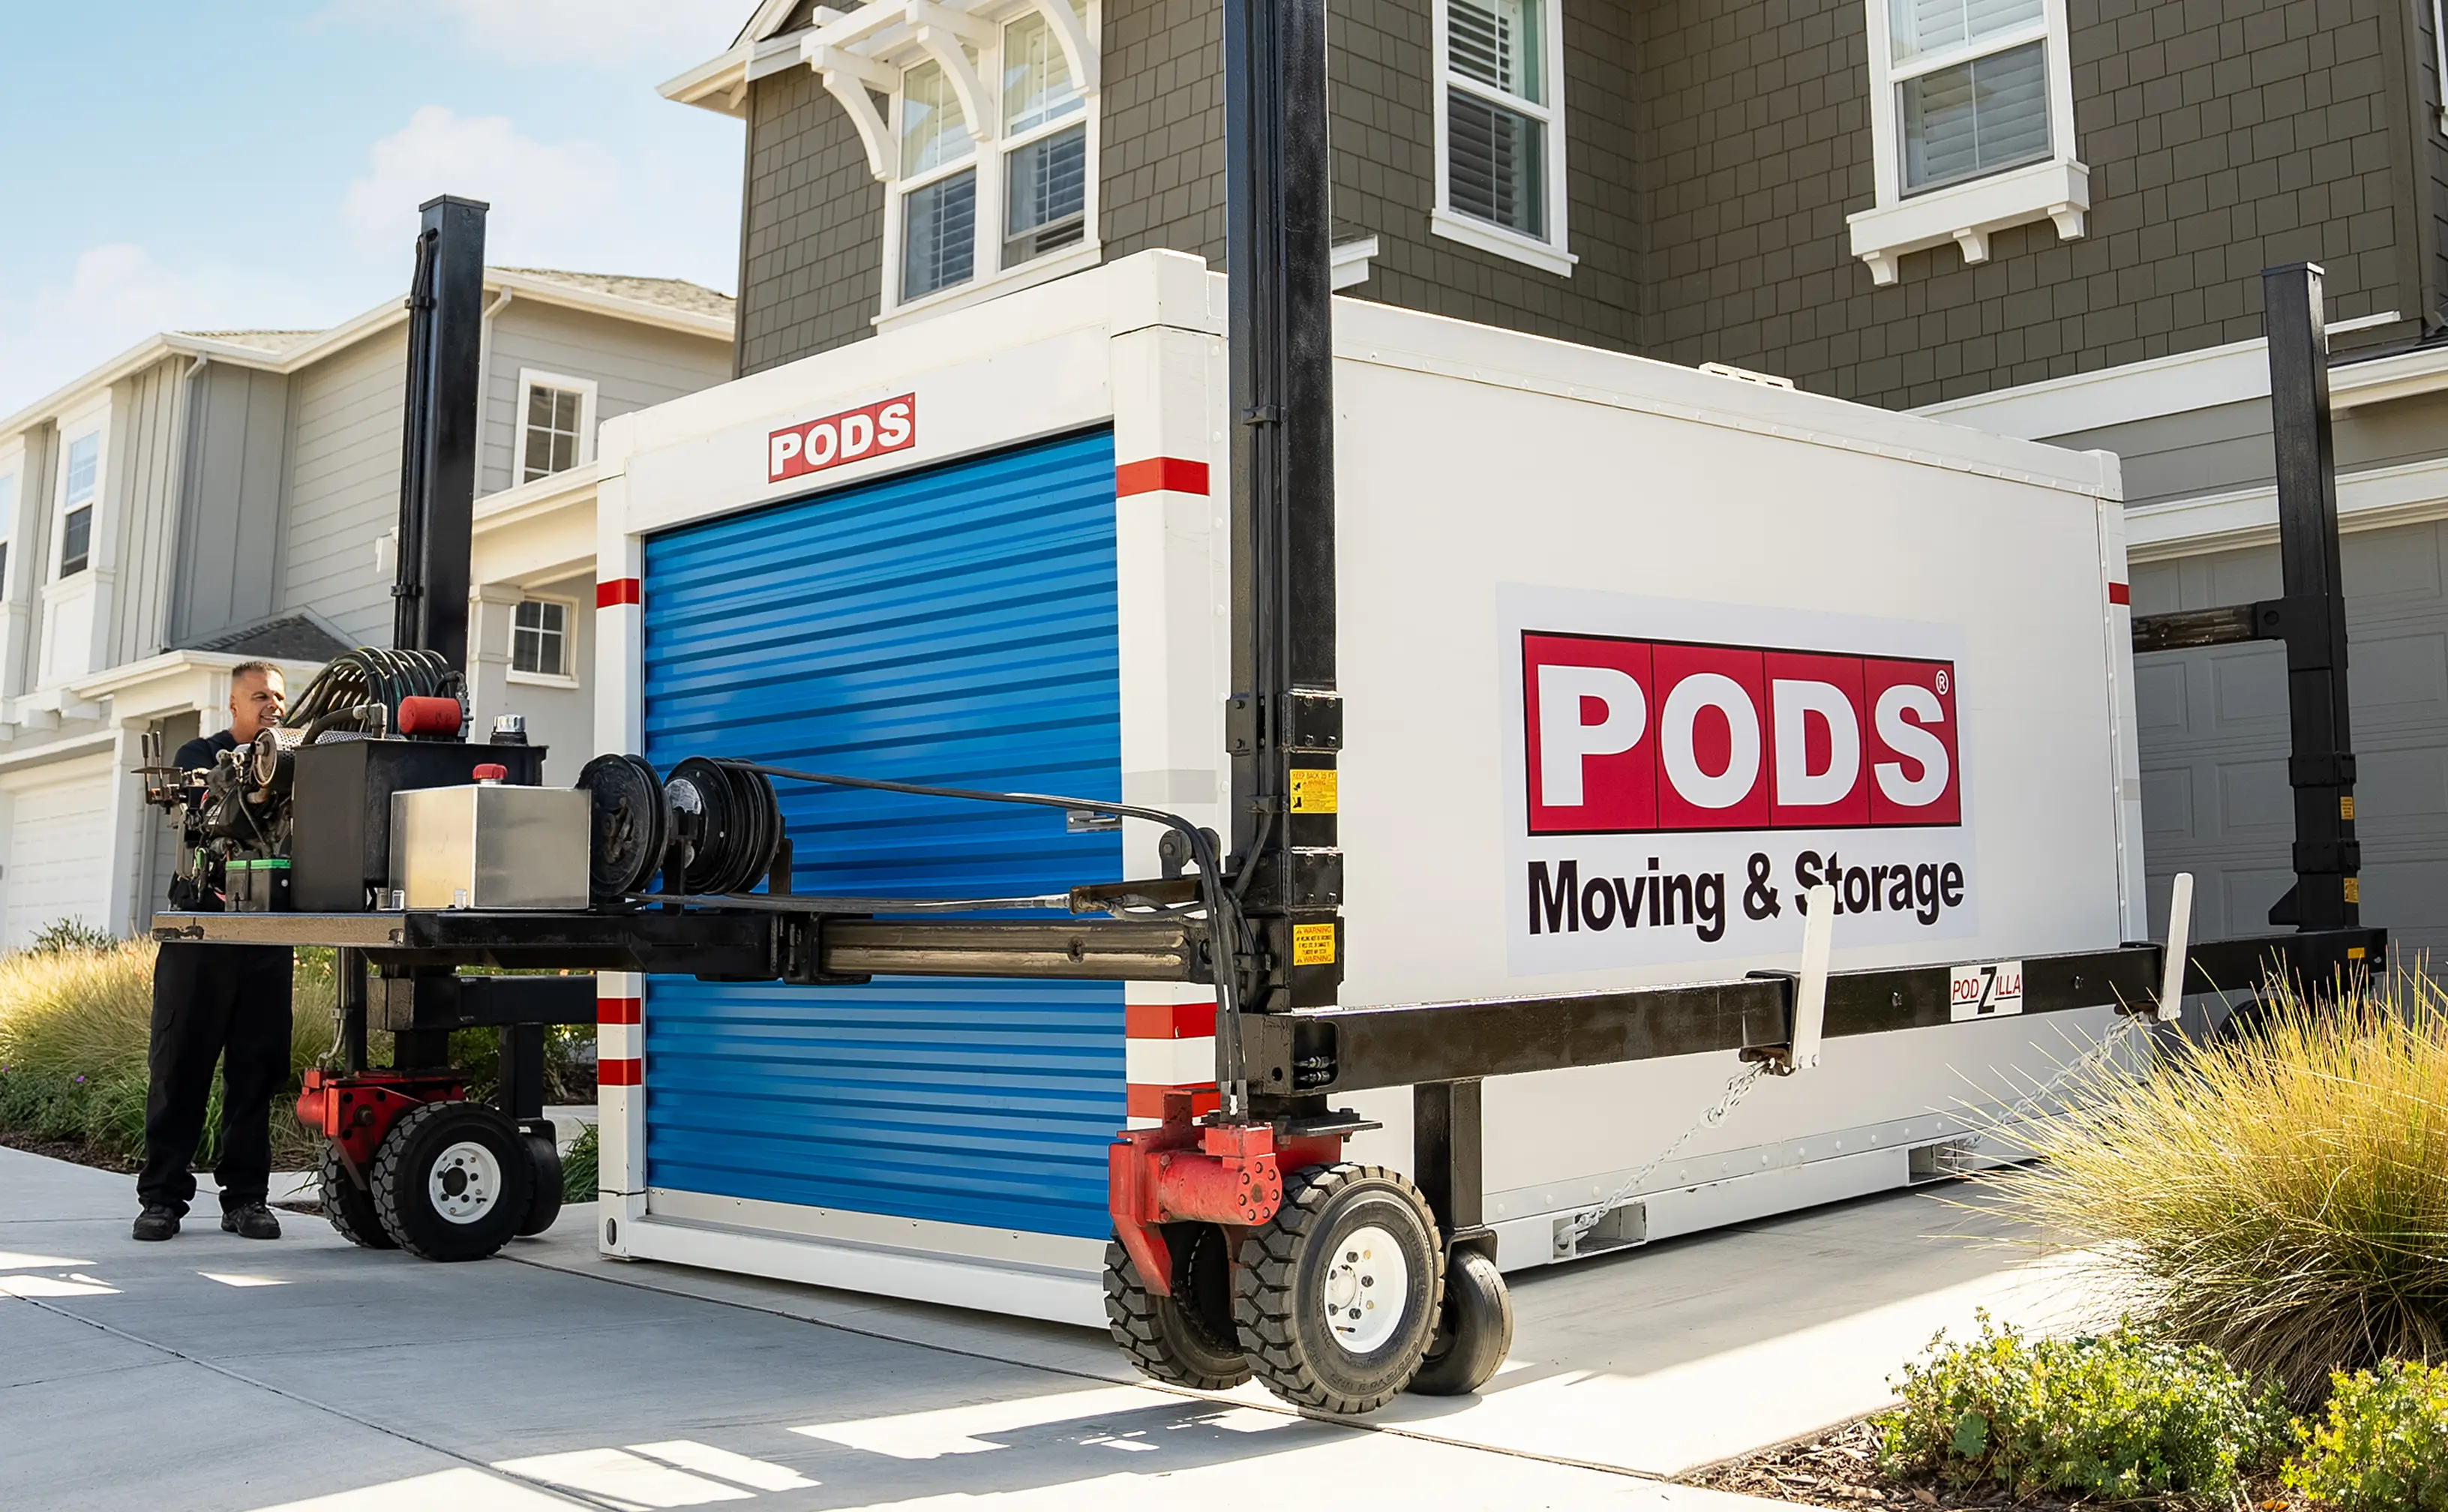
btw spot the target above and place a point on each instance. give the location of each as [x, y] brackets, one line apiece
[1590, 1218]
[2128, 1026]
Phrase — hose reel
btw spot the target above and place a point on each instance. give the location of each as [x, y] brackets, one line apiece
[712, 828]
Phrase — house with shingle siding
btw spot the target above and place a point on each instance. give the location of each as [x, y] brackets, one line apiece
[2046, 217]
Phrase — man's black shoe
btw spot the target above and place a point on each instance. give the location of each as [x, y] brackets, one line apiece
[253, 1221]
[157, 1223]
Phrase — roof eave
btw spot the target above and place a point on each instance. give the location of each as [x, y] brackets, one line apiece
[546, 291]
[720, 84]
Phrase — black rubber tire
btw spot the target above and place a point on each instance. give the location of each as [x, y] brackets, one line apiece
[543, 1205]
[405, 1164]
[1185, 1339]
[1474, 1330]
[348, 1206]
[1278, 1305]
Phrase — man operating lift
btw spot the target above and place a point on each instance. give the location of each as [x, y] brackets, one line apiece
[217, 1002]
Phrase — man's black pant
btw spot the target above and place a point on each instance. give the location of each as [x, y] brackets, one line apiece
[215, 1001]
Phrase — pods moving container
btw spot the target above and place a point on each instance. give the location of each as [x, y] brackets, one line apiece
[1629, 653]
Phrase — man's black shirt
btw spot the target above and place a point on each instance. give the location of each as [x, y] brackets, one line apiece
[202, 752]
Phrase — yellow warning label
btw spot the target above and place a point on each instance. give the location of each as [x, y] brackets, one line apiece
[1314, 790]
[2354, 952]
[2354, 890]
[1313, 943]
[2346, 806]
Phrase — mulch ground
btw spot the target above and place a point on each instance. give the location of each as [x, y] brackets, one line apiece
[69, 1150]
[1840, 1469]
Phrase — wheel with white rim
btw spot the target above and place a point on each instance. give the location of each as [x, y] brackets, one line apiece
[452, 1182]
[1337, 1296]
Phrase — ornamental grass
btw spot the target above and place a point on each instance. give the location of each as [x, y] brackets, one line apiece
[75, 1023]
[2279, 1195]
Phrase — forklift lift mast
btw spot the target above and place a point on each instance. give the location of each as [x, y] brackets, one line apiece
[1245, 1245]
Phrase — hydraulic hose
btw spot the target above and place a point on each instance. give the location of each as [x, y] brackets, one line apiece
[1223, 908]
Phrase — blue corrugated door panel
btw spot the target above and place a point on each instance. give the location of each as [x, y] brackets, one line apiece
[955, 626]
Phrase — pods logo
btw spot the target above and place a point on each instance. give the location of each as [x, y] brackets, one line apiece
[869, 430]
[1633, 736]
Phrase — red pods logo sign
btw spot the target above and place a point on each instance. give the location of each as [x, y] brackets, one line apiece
[854, 435]
[1629, 737]
[1687, 773]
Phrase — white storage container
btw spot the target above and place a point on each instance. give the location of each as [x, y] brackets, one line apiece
[1629, 653]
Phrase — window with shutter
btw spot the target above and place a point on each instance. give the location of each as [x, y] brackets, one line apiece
[1500, 122]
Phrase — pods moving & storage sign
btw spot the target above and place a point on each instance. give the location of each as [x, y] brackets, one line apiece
[1684, 772]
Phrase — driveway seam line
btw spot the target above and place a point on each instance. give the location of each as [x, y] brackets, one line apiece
[574, 1498]
[1391, 1429]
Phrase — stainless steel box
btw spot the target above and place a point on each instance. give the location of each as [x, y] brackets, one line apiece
[490, 845]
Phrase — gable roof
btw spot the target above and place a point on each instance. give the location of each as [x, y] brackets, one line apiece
[673, 304]
[274, 342]
[671, 294]
[289, 638]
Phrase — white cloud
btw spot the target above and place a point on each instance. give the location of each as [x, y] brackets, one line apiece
[668, 33]
[564, 205]
[545, 195]
[115, 297]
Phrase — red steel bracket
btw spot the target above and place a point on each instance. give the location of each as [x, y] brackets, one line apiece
[1181, 1173]
[355, 1111]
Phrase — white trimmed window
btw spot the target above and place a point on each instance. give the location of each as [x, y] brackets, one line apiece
[1972, 120]
[938, 186]
[980, 117]
[556, 424]
[76, 504]
[1501, 129]
[540, 637]
[1044, 144]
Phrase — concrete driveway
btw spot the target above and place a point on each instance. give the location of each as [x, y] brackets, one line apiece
[214, 1372]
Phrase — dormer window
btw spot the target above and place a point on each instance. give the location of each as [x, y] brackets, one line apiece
[938, 186]
[980, 118]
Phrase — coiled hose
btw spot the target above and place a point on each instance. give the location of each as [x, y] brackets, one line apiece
[371, 677]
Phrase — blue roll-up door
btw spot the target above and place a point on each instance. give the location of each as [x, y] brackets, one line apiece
[954, 625]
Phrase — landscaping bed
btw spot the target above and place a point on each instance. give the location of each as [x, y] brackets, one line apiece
[1840, 1468]
[76, 1022]
[2276, 1202]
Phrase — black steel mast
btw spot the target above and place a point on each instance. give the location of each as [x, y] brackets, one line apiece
[438, 472]
[2312, 617]
[1285, 720]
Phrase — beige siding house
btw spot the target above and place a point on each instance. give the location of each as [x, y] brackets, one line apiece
[212, 496]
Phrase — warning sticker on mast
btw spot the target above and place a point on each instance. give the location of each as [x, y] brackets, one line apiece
[1687, 771]
[854, 435]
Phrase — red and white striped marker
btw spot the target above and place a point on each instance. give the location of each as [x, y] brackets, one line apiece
[620, 1029]
[1170, 1047]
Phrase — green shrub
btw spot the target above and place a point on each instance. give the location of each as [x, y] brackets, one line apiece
[71, 934]
[579, 1168]
[2116, 1416]
[2383, 1446]
[2281, 1196]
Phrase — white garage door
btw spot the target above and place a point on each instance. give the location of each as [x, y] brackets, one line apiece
[58, 862]
[2214, 732]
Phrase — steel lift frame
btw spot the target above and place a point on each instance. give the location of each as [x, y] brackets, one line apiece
[1264, 1173]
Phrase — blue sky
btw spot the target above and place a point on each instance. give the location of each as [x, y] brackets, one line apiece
[258, 162]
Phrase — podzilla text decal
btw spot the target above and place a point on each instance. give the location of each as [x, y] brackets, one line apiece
[1678, 793]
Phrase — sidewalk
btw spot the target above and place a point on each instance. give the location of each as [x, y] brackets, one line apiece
[559, 1376]
[190, 1374]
